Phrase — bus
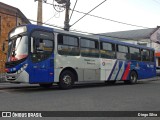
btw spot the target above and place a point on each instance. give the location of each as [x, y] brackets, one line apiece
[43, 55]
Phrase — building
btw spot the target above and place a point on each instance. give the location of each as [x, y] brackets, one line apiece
[10, 17]
[146, 37]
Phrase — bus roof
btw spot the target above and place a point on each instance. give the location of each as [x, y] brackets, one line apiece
[31, 27]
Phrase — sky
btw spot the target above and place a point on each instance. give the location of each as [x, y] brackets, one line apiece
[144, 13]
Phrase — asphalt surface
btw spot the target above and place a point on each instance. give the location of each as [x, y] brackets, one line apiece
[144, 96]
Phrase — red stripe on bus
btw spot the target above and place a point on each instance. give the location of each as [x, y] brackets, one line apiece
[126, 72]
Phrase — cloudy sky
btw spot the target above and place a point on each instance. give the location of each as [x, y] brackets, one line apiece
[145, 13]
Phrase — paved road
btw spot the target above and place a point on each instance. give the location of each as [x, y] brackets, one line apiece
[144, 96]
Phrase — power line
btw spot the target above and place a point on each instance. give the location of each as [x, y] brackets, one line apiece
[129, 24]
[88, 12]
[112, 20]
[54, 14]
[51, 3]
[73, 10]
[70, 30]
[52, 17]
[47, 24]
[23, 18]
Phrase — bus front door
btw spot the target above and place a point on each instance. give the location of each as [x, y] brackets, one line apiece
[42, 45]
[42, 72]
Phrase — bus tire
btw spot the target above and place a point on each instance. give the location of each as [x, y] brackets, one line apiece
[46, 85]
[132, 78]
[66, 79]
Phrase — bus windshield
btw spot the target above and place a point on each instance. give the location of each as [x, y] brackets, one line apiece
[18, 48]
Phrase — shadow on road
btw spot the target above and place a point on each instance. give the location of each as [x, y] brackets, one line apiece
[37, 88]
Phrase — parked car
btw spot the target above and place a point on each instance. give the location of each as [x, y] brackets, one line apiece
[158, 70]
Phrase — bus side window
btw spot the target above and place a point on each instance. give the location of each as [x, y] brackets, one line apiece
[123, 52]
[152, 56]
[89, 48]
[41, 45]
[68, 45]
[145, 55]
[135, 53]
[107, 50]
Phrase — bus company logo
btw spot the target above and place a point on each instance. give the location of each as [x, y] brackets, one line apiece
[103, 63]
[6, 114]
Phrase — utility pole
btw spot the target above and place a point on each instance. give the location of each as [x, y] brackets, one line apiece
[67, 4]
[66, 22]
[39, 12]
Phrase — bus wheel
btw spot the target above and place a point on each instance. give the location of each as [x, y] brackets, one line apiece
[132, 78]
[66, 79]
[46, 85]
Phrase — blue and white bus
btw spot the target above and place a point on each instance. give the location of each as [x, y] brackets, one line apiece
[42, 55]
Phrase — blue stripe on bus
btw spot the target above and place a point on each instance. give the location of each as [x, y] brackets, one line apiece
[112, 70]
[120, 66]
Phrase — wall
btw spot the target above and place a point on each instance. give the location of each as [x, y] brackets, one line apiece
[8, 22]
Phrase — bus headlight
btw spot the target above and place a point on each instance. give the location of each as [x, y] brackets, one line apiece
[22, 68]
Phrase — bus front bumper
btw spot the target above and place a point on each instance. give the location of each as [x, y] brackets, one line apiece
[22, 77]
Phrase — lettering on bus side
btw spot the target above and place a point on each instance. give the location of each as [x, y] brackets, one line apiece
[89, 60]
